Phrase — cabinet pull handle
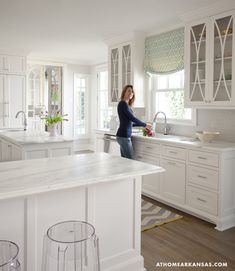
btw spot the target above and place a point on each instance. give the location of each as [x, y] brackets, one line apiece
[202, 177]
[174, 152]
[202, 200]
[171, 163]
[201, 157]
[147, 147]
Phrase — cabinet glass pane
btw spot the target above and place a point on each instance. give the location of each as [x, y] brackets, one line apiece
[126, 65]
[114, 75]
[223, 44]
[197, 62]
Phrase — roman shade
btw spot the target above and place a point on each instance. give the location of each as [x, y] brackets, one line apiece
[164, 53]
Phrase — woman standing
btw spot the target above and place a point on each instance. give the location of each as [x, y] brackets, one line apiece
[127, 119]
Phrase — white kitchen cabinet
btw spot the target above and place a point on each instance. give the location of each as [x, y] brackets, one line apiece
[12, 64]
[125, 66]
[9, 151]
[209, 62]
[173, 184]
[149, 153]
[197, 179]
[12, 100]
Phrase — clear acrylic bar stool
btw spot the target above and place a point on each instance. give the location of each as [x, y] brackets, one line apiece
[71, 246]
[9, 256]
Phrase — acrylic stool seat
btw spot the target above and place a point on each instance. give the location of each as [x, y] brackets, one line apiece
[71, 246]
[9, 256]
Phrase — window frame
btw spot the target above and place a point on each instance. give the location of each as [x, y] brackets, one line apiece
[154, 110]
[86, 100]
[98, 71]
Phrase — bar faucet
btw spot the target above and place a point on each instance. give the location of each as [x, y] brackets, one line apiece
[25, 120]
[165, 121]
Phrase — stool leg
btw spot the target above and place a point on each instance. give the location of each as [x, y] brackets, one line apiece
[61, 254]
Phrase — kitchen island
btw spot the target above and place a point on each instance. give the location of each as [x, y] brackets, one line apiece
[99, 188]
[21, 145]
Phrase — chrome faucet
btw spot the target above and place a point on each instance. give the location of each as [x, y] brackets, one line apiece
[165, 121]
[25, 120]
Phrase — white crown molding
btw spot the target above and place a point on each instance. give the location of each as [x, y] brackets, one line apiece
[213, 9]
[14, 52]
[123, 38]
[163, 30]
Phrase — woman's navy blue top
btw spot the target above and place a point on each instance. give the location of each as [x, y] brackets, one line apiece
[126, 118]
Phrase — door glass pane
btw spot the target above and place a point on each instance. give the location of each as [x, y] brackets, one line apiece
[197, 62]
[223, 43]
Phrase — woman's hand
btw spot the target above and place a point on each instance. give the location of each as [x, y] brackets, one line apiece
[148, 126]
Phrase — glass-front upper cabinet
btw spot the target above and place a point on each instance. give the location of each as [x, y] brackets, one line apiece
[223, 40]
[126, 65]
[209, 62]
[120, 70]
[198, 62]
[114, 75]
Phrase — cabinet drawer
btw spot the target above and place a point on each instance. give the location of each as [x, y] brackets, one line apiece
[147, 148]
[203, 176]
[205, 158]
[174, 152]
[151, 159]
[202, 200]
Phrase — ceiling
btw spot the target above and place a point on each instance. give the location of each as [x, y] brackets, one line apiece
[74, 30]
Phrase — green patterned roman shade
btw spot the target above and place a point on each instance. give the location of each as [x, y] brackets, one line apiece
[164, 53]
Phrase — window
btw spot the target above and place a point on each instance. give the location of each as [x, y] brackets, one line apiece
[80, 104]
[103, 110]
[168, 96]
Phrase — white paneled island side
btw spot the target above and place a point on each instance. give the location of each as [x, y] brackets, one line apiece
[99, 188]
[21, 145]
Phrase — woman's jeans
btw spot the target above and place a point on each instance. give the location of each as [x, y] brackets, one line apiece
[125, 147]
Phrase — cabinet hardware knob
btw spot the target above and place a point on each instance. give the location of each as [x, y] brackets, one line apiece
[171, 163]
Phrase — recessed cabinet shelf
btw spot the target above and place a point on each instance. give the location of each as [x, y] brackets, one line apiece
[198, 41]
[199, 62]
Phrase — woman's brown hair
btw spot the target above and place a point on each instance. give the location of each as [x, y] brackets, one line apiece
[132, 100]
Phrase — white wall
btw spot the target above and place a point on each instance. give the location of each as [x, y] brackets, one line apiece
[220, 120]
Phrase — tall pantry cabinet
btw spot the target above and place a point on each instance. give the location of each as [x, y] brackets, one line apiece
[12, 90]
[209, 62]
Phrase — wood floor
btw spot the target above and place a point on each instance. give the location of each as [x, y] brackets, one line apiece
[187, 240]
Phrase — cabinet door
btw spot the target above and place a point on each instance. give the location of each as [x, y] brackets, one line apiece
[5, 151]
[151, 183]
[3, 105]
[222, 57]
[126, 65]
[16, 64]
[16, 153]
[12, 64]
[197, 58]
[114, 76]
[3, 66]
[173, 183]
[15, 100]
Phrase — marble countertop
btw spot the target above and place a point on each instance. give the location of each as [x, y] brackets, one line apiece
[22, 178]
[182, 141]
[28, 137]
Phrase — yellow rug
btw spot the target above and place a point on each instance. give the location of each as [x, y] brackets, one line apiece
[153, 215]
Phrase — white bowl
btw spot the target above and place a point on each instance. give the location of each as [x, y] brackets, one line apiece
[206, 136]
